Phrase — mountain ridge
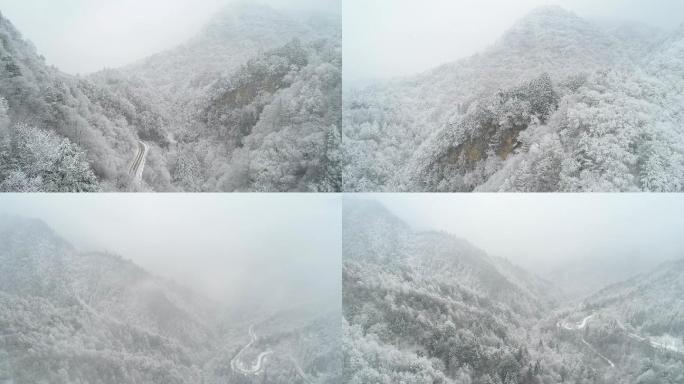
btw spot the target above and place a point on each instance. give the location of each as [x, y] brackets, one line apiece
[68, 316]
[161, 99]
[438, 317]
[471, 124]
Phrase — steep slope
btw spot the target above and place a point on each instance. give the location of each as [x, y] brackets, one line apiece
[233, 36]
[253, 102]
[73, 316]
[549, 39]
[615, 122]
[281, 132]
[633, 329]
[371, 234]
[90, 116]
[33, 258]
[273, 125]
[68, 316]
[425, 306]
[651, 305]
[667, 59]
[462, 155]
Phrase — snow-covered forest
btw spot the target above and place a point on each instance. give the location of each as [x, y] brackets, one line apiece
[428, 307]
[69, 316]
[252, 103]
[558, 103]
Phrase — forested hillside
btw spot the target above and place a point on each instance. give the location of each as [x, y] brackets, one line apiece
[426, 307]
[253, 102]
[557, 104]
[44, 109]
[73, 317]
[648, 305]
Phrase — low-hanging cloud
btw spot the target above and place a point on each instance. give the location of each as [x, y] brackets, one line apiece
[234, 248]
[390, 38]
[545, 232]
[84, 36]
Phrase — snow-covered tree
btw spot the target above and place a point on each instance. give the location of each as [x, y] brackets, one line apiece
[38, 161]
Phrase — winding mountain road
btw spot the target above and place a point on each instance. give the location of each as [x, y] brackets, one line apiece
[238, 366]
[580, 326]
[583, 323]
[138, 165]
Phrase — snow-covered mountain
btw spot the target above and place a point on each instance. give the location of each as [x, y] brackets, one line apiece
[40, 107]
[71, 316]
[236, 34]
[615, 126]
[634, 329]
[426, 307]
[281, 134]
[68, 316]
[549, 39]
[373, 234]
[651, 303]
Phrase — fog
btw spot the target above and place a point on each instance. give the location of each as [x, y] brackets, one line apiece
[544, 232]
[389, 38]
[268, 248]
[83, 36]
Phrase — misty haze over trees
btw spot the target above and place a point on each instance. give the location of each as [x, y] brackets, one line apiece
[69, 316]
[558, 103]
[428, 307]
[330, 287]
[252, 103]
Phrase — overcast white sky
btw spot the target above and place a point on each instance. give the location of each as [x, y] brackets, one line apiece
[231, 246]
[545, 231]
[388, 38]
[83, 36]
